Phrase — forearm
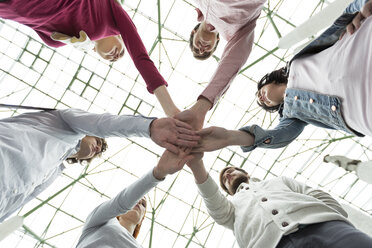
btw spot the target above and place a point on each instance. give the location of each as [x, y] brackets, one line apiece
[219, 208]
[106, 125]
[240, 138]
[199, 172]
[166, 102]
[122, 202]
[202, 106]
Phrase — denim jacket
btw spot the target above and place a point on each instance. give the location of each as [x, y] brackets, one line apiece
[302, 107]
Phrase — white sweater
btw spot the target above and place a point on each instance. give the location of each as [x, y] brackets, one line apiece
[260, 213]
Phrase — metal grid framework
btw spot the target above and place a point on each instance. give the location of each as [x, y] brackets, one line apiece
[33, 74]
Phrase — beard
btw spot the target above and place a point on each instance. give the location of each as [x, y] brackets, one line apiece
[237, 181]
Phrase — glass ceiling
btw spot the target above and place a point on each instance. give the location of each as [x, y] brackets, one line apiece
[33, 74]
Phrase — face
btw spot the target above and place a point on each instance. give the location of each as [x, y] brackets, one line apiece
[136, 214]
[89, 147]
[271, 94]
[232, 178]
[110, 48]
[204, 41]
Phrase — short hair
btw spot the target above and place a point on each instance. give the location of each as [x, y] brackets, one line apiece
[88, 160]
[279, 76]
[223, 171]
[203, 56]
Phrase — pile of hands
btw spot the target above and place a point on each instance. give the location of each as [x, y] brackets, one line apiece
[184, 139]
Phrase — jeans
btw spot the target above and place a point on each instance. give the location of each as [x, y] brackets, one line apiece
[330, 234]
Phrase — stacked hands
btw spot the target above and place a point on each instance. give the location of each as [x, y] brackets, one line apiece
[185, 140]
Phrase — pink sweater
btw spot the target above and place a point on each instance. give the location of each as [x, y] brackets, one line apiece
[98, 18]
[235, 21]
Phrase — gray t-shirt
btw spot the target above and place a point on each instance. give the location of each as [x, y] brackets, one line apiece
[103, 230]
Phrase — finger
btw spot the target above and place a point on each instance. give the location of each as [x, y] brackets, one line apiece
[187, 150]
[188, 137]
[350, 28]
[183, 124]
[186, 131]
[357, 21]
[170, 147]
[186, 143]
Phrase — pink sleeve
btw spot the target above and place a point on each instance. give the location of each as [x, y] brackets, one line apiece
[233, 58]
[137, 50]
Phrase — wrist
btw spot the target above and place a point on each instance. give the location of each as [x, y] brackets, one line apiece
[203, 105]
[151, 128]
[158, 174]
[239, 138]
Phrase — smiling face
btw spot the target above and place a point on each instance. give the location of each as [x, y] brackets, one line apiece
[89, 147]
[231, 178]
[134, 217]
[271, 94]
[110, 48]
[203, 41]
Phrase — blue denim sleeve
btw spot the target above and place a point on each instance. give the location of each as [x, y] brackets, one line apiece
[355, 6]
[287, 130]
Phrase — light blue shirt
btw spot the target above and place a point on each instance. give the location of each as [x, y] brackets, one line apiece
[33, 147]
[102, 229]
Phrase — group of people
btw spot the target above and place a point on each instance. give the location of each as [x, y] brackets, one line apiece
[326, 84]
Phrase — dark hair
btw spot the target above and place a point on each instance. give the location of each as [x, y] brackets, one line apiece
[203, 56]
[279, 76]
[88, 160]
[223, 171]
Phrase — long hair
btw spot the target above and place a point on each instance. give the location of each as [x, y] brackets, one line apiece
[279, 76]
[138, 227]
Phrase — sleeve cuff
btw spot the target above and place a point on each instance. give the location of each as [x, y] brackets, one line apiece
[151, 88]
[143, 126]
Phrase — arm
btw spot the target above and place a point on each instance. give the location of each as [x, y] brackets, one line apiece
[250, 137]
[219, 208]
[233, 58]
[168, 164]
[283, 134]
[137, 50]
[318, 194]
[122, 202]
[214, 138]
[166, 132]
[166, 102]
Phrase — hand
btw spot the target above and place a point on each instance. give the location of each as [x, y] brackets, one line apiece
[212, 138]
[191, 117]
[195, 161]
[365, 12]
[170, 133]
[197, 167]
[196, 114]
[170, 163]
